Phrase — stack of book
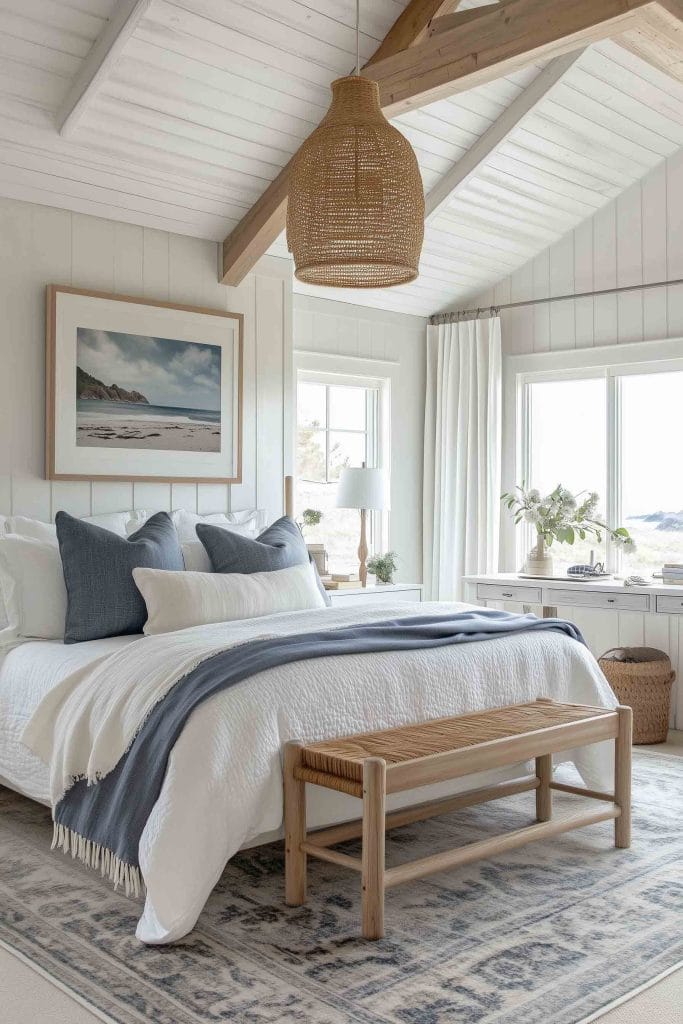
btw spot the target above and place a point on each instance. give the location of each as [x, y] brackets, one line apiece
[341, 581]
[672, 574]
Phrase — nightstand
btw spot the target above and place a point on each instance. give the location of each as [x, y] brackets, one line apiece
[388, 594]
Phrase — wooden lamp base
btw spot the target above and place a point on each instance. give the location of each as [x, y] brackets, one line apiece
[363, 549]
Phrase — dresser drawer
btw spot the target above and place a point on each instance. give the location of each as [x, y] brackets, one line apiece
[511, 592]
[339, 599]
[596, 599]
[670, 605]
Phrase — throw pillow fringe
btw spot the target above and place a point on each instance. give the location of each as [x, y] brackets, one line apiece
[94, 855]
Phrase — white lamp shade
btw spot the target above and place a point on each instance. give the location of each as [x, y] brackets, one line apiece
[362, 488]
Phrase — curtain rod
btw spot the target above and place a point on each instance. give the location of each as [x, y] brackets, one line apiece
[474, 314]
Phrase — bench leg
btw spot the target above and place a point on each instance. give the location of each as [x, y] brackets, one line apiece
[544, 794]
[295, 828]
[622, 778]
[374, 790]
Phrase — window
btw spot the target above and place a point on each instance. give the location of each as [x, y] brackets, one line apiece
[614, 430]
[651, 472]
[568, 446]
[338, 424]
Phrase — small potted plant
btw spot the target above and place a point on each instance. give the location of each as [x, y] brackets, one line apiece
[562, 517]
[310, 517]
[383, 567]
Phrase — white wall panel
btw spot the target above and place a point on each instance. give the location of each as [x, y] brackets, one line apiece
[42, 245]
[637, 238]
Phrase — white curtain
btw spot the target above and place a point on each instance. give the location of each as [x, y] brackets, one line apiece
[462, 455]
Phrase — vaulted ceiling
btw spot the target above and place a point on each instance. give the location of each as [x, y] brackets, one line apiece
[203, 102]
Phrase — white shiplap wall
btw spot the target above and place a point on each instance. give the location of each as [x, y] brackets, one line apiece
[340, 329]
[636, 239]
[42, 245]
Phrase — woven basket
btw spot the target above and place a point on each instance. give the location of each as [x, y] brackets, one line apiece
[641, 677]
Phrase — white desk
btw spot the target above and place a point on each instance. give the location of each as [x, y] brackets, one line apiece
[611, 595]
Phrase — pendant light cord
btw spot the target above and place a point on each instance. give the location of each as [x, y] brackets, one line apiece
[357, 37]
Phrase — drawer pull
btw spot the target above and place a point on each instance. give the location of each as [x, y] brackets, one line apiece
[611, 600]
[508, 593]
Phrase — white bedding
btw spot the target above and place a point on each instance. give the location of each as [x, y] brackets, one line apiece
[223, 786]
[28, 671]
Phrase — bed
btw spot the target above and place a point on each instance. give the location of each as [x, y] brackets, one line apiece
[223, 786]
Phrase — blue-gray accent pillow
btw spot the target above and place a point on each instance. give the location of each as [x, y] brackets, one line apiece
[280, 546]
[102, 599]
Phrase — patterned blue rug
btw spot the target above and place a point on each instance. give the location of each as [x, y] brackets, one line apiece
[547, 934]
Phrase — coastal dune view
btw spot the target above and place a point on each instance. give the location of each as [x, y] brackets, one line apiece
[142, 392]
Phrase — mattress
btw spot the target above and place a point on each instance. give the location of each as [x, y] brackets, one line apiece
[27, 672]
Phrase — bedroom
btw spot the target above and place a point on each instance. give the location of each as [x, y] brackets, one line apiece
[143, 148]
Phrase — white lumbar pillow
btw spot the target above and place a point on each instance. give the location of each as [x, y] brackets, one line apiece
[32, 583]
[177, 600]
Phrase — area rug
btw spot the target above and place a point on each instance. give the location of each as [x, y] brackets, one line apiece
[544, 935]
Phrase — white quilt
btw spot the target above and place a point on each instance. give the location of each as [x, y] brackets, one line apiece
[223, 786]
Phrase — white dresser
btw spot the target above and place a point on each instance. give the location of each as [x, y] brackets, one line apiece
[609, 595]
[387, 594]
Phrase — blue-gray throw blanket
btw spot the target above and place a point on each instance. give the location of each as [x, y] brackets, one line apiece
[102, 823]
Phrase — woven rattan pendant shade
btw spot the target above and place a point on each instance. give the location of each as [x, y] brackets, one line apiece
[355, 212]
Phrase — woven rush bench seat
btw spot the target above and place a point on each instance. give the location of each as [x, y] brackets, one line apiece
[371, 765]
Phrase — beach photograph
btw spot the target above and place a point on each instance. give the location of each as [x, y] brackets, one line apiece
[144, 392]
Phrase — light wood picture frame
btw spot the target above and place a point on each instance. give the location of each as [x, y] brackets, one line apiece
[141, 390]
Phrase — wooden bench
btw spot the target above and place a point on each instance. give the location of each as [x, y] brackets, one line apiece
[372, 765]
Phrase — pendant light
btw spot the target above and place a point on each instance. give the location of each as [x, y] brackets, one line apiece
[355, 212]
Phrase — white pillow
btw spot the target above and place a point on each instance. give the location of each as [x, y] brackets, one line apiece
[116, 522]
[177, 600]
[247, 524]
[195, 557]
[244, 523]
[23, 526]
[33, 587]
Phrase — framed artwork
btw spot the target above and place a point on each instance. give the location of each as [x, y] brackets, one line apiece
[141, 390]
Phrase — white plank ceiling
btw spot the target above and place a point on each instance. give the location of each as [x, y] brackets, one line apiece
[210, 98]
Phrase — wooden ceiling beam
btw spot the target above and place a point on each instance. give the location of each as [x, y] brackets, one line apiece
[412, 26]
[456, 19]
[658, 38]
[460, 173]
[103, 55]
[259, 228]
[502, 39]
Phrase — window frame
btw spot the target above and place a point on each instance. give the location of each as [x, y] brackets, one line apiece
[349, 371]
[373, 411]
[610, 363]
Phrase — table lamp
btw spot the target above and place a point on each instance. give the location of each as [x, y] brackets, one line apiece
[364, 489]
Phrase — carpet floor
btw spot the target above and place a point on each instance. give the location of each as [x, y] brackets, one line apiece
[547, 934]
